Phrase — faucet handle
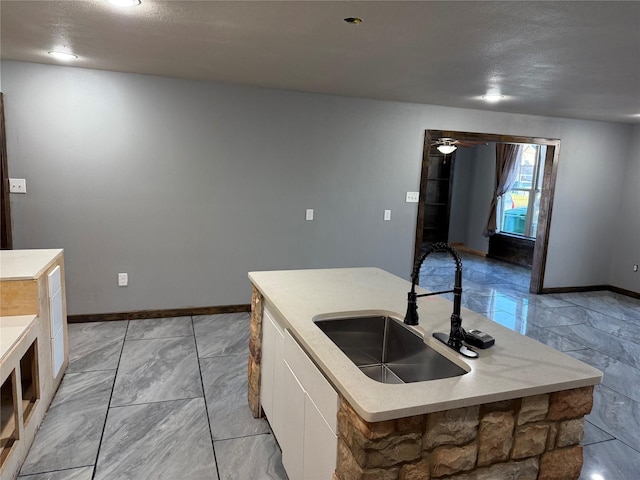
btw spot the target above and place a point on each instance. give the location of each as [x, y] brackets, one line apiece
[411, 318]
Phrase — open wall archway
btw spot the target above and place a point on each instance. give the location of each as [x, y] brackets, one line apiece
[546, 200]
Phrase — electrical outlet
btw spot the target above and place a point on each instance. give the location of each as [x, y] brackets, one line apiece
[412, 197]
[17, 185]
[635, 268]
[123, 279]
[309, 214]
[387, 216]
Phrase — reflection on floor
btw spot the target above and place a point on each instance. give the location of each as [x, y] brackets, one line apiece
[598, 328]
[166, 399]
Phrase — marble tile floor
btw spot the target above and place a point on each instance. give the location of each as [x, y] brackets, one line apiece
[155, 399]
[599, 328]
[166, 398]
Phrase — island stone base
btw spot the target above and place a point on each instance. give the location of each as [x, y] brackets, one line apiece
[528, 438]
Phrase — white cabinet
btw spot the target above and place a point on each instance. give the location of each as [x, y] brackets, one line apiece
[320, 444]
[292, 437]
[272, 374]
[54, 282]
[299, 402]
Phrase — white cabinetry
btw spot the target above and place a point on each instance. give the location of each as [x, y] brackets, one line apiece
[54, 282]
[299, 402]
[272, 374]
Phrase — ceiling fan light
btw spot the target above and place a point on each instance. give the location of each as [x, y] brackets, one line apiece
[446, 149]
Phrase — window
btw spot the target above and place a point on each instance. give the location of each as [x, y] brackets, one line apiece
[518, 208]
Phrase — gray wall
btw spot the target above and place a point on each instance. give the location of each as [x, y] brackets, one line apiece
[189, 185]
[474, 179]
[460, 193]
[626, 237]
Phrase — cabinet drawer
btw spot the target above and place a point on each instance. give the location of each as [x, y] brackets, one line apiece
[312, 380]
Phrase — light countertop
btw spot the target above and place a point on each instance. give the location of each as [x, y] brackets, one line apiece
[516, 366]
[26, 264]
[11, 329]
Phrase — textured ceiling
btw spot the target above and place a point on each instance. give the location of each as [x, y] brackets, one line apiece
[566, 59]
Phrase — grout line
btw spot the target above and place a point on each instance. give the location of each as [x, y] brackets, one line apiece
[155, 402]
[206, 406]
[104, 425]
[247, 436]
[160, 338]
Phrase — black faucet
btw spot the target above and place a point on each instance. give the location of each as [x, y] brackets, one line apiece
[457, 333]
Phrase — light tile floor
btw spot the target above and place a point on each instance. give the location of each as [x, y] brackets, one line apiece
[166, 399]
[155, 399]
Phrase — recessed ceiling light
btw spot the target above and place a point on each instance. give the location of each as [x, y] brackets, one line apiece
[63, 55]
[353, 20]
[492, 97]
[124, 3]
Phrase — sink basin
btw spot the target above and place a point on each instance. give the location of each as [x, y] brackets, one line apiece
[385, 350]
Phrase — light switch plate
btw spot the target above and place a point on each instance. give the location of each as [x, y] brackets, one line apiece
[123, 279]
[387, 216]
[412, 197]
[309, 214]
[17, 185]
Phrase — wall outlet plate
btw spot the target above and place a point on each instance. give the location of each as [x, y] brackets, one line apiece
[309, 214]
[17, 185]
[123, 279]
[412, 197]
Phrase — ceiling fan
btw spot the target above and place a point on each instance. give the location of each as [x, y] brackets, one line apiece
[448, 145]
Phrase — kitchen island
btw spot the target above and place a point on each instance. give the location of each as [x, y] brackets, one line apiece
[517, 412]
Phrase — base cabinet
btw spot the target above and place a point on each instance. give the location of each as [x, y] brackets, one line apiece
[300, 404]
[271, 389]
[33, 347]
[320, 445]
[292, 438]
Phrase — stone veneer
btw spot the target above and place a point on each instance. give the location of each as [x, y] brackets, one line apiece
[255, 351]
[530, 438]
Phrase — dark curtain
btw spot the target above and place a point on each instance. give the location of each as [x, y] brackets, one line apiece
[506, 158]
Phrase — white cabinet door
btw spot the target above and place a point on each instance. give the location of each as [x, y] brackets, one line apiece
[292, 438]
[54, 283]
[320, 445]
[279, 413]
[314, 383]
[272, 371]
[266, 369]
[300, 403]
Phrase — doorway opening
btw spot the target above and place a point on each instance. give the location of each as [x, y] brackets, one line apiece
[436, 189]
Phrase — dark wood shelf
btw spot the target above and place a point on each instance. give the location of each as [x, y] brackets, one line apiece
[438, 198]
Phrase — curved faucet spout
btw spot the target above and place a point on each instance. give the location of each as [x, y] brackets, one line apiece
[411, 318]
[457, 333]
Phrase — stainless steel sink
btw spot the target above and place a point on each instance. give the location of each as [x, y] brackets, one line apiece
[386, 350]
